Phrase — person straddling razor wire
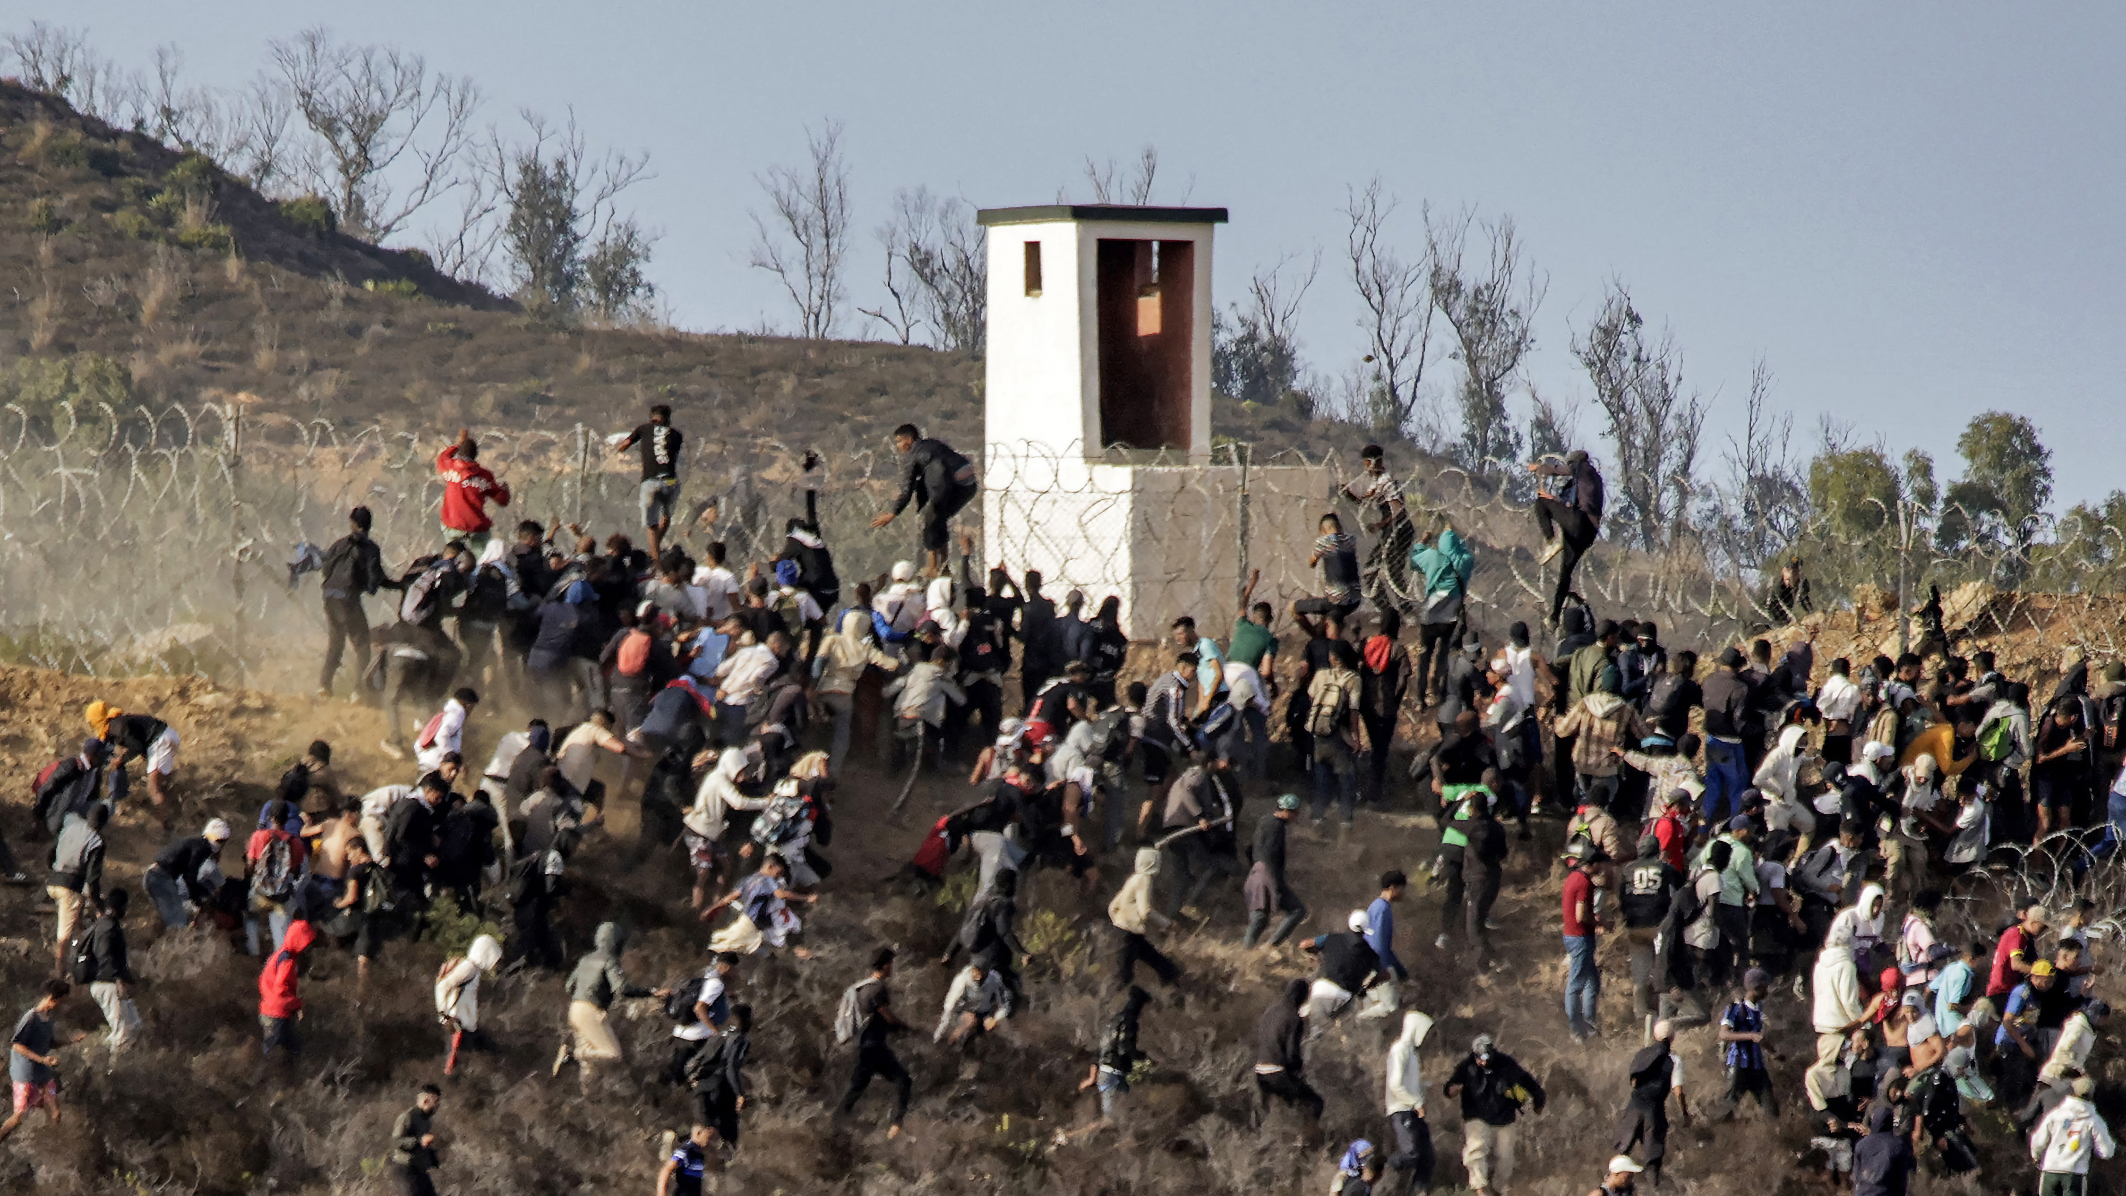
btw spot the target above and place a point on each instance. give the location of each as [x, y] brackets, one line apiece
[467, 487]
[1389, 520]
[661, 444]
[1570, 520]
[940, 481]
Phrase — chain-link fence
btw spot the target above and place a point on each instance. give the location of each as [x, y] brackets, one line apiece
[160, 537]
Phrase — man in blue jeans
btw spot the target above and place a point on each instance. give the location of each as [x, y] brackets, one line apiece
[1727, 702]
[1583, 979]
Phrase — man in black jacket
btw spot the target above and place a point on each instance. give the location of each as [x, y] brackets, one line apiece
[1280, 1053]
[354, 568]
[1727, 699]
[1348, 966]
[1493, 1088]
[939, 481]
[410, 844]
[413, 1146]
[178, 882]
[111, 973]
[1569, 520]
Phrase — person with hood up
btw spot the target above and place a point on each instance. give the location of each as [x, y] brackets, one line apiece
[1656, 1073]
[838, 667]
[1493, 1088]
[280, 1002]
[1280, 1054]
[1840, 1007]
[2064, 1141]
[1406, 1106]
[1778, 779]
[1131, 912]
[1863, 922]
[977, 1001]
[596, 983]
[1600, 727]
[1445, 562]
[458, 998]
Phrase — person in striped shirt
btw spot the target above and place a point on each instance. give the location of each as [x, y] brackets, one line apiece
[1742, 1044]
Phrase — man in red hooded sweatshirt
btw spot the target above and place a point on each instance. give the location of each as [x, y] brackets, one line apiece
[467, 485]
[280, 1005]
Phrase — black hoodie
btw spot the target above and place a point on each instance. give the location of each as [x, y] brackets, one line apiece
[1281, 1035]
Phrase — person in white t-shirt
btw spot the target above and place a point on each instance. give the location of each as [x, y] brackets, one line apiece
[578, 754]
[721, 591]
[711, 1010]
[445, 733]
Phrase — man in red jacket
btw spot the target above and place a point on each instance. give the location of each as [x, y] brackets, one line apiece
[280, 1005]
[467, 485]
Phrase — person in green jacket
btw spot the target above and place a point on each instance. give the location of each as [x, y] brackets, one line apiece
[596, 983]
[1446, 563]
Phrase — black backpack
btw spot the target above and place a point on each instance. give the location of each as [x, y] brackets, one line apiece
[680, 1005]
[1662, 696]
[80, 960]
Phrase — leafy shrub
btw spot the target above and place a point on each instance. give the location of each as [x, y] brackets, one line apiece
[137, 191]
[194, 174]
[392, 286]
[135, 223]
[105, 158]
[217, 237]
[419, 257]
[167, 208]
[47, 387]
[311, 213]
[44, 216]
[453, 929]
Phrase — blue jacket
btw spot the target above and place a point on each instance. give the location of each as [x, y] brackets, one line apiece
[1380, 935]
[1447, 564]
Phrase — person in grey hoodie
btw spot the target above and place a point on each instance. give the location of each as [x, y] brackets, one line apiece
[76, 882]
[596, 983]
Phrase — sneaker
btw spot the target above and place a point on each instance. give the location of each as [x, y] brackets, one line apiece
[1551, 549]
[1440, 942]
[561, 1058]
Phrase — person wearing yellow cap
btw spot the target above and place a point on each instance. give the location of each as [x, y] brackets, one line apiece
[2020, 1042]
[135, 735]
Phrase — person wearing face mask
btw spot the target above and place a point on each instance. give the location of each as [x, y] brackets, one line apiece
[1493, 1089]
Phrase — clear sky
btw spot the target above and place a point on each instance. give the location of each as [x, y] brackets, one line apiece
[1911, 211]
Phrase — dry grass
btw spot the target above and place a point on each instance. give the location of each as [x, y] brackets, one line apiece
[42, 319]
[265, 346]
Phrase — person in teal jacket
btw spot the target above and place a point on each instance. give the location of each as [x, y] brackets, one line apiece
[1446, 563]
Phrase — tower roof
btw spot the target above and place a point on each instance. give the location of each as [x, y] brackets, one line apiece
[1119, 213]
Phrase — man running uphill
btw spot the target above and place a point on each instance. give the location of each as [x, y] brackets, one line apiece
[939, 480]
[1569, 520]
[467, 485]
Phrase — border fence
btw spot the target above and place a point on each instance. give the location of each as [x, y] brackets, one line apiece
[158, 538]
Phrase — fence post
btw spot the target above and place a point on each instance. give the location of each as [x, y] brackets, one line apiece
[236, 526]
[1240, 577]
[583, 469]
[1904, 558]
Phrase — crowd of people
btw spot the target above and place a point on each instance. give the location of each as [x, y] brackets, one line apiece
[1762, 823]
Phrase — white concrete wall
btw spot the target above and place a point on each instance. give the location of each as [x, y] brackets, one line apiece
[1040, 378]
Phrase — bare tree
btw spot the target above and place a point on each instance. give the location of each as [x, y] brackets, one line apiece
[387, 138]
[1255, 354]
[60, 62]
[1491, 315]
[1398, 316]
[1654, 424]
[245, 131]
[898, 311]
[806, 235]
[1766, 504]
[557, 202]
[1132, 188]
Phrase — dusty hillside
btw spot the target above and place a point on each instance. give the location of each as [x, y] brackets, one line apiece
[185, 1111]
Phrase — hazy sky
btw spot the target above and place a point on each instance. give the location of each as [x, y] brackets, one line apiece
[1911, 211]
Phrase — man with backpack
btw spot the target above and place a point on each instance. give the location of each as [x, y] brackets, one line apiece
[699, 1007]
[939, 481]
[76, 881]
[866, 1015]
[273, 866]
[1332, 722]
[717, 1074]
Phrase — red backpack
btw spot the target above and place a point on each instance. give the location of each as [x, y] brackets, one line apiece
[633, 659]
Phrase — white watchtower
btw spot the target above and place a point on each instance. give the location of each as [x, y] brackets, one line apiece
[1098, 465]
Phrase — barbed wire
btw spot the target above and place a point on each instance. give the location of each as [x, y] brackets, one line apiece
[159, 535]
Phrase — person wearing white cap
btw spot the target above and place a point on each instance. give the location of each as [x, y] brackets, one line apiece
[1618, 1181]
[187, 874]
[1348, 967]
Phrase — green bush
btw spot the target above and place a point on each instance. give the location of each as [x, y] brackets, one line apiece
[311, 213]
[67, 151]
[44, 216]
[216, 237]
[194, 174]
[419, 257]
[167, 208]
[392, 286]
[453, 929]
[43, 387]
[135, 223]
[105, 158]
[137, 191]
